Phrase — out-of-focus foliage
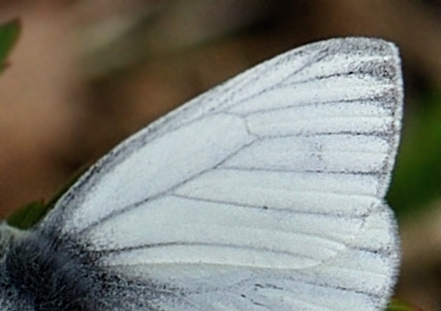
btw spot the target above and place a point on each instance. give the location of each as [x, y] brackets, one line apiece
[417, 176]
[9, 34]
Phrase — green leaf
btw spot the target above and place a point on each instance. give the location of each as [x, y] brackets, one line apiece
[28, 215]
[397, 305]
[9, 34]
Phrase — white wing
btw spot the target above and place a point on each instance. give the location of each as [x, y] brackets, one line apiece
[265, 193]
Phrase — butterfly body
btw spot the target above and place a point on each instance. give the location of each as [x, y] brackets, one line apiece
[265, 193]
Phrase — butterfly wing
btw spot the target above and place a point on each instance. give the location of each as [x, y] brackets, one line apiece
[265, 193]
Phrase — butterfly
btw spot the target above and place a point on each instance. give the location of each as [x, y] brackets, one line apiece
[265, 193]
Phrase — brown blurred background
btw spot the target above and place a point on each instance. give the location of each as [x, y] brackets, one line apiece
[86, 74]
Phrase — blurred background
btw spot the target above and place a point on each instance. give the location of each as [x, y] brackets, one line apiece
[86, 74]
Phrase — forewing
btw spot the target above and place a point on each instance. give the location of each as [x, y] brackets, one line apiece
[265, 193]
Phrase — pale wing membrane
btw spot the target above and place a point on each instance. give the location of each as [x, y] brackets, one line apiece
[265, 193]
